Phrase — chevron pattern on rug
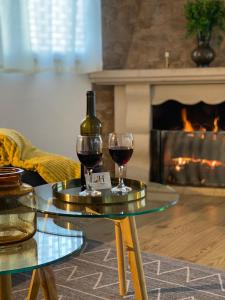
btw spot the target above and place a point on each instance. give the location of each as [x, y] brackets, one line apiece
[93, 275]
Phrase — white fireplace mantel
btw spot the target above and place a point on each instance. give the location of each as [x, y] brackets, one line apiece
[136, 90]
[159, 76]
[184, 85]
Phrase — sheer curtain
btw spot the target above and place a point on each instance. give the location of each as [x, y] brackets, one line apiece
[59, 35]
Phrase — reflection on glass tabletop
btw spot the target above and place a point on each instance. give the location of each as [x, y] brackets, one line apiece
[158, 198]
[40, 250]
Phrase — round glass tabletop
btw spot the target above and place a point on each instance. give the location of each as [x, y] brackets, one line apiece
[158, 198]
[40, 250]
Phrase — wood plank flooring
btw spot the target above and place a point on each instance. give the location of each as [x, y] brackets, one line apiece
[193, 230]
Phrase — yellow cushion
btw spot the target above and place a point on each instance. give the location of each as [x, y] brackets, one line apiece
[17, 150]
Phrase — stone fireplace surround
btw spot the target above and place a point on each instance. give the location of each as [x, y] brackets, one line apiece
[136, 90]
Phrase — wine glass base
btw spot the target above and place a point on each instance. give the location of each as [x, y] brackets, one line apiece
[93, 193]
[121, 190]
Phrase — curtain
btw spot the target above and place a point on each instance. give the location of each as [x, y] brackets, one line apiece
[60, 35]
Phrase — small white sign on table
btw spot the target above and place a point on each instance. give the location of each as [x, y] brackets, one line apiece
[100, 181]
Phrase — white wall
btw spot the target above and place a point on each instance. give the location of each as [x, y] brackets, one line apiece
[47, 108]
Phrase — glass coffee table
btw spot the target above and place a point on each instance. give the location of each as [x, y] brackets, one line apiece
[37, 254]
[158, 198]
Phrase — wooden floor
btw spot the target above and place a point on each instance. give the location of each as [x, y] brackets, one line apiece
[193, 230]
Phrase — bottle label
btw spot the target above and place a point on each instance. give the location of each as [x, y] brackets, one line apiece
[100, 181]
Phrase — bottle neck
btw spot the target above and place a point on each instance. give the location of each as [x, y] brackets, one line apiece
[91, 107]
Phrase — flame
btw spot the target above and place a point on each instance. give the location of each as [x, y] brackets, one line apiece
[187, 126]
[180, 162]
[215, 123]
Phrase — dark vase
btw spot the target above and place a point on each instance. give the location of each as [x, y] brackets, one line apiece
[203, 54]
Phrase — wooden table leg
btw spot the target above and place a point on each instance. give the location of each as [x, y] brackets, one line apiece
[130, 237]
[5, 287]
[34, 286]
[48, 284]
[120, 259]
[45, 278]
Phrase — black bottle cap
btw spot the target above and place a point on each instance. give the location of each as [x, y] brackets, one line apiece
[90, 93]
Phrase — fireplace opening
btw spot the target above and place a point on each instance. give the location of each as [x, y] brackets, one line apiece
[171, 115]
[188, 144]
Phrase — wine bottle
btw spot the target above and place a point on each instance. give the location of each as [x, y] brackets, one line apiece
[91, 125]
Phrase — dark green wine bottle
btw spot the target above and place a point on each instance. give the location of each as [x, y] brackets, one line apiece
[91, 125]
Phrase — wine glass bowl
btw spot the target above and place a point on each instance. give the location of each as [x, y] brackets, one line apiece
[89, 153]
[89, 159]
[121, 146]
[120, 155]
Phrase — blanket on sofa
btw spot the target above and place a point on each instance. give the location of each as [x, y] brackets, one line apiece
[18, 151]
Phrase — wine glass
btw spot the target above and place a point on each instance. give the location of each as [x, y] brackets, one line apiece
[89, 152]
[121, 147]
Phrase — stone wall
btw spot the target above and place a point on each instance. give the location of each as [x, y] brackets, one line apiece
[105, 113]
[136, 34]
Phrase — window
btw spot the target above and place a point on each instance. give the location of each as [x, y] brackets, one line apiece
[62, 34]
[53, 26]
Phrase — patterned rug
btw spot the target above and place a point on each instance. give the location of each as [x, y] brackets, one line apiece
[93, 275]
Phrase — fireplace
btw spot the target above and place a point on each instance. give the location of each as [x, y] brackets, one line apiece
[188, 144]
[136, 95]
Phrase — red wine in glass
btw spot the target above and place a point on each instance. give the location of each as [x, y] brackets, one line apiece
[89, 159]
[89, 152]
[121, 147]
[121, 155]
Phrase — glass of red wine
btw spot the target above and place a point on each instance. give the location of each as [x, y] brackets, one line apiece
[121, 146]
[89, 152]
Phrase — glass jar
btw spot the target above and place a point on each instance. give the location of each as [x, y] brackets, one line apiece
[17, 222]
[15, 256]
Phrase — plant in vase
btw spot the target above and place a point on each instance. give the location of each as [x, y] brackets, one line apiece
[203, 18]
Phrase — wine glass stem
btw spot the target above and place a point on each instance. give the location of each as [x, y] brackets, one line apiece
[121, 183]
[89, 186]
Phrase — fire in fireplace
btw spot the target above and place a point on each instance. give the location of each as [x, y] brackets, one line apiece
[188, 144]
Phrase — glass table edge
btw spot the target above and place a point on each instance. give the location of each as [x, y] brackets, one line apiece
[31, 268]
[77, 214]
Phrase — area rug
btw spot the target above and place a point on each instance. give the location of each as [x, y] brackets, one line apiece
[93, 275]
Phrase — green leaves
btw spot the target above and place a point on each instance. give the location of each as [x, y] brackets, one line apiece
[204, 15]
